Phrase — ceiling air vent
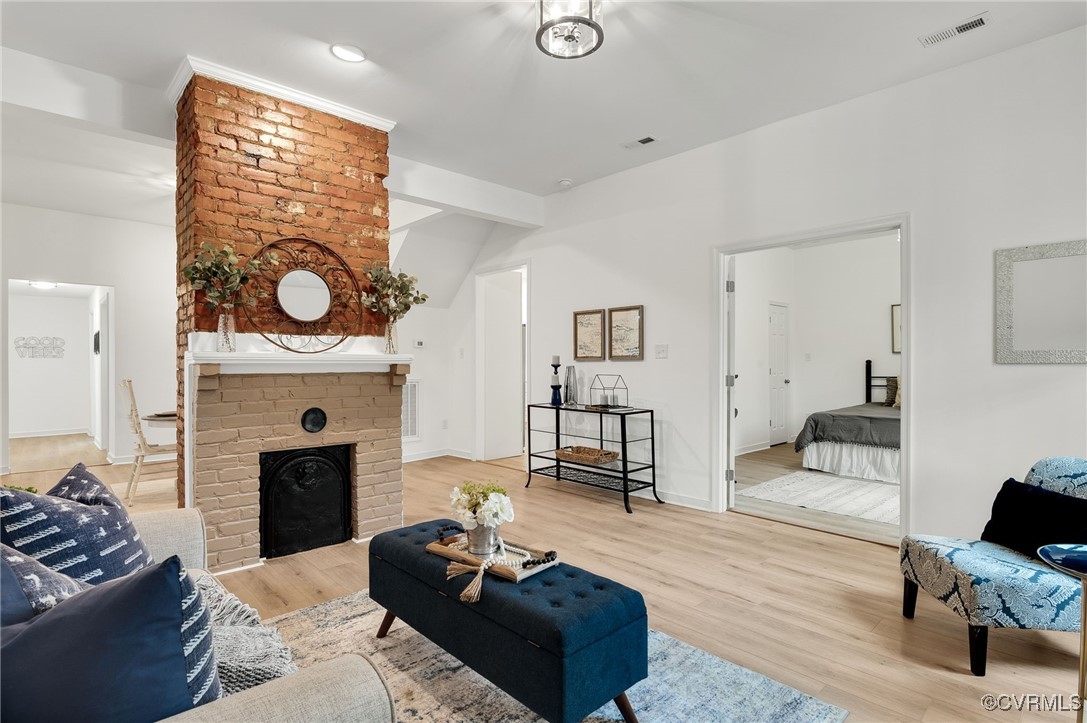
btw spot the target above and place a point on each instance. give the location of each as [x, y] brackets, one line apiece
[978, 21]
[640, 142]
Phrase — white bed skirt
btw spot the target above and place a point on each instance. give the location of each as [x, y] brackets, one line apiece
[853, 460]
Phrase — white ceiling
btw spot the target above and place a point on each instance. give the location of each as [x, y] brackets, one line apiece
[441, 252]
[471, 93]
[52, 162]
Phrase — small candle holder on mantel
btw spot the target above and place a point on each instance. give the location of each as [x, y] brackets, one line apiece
[556, 384]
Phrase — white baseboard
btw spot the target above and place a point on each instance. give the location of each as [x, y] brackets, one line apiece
[50, 433]
[675, 499]
[129, 459]
[749, 448]
[250, 566]
[419, 456]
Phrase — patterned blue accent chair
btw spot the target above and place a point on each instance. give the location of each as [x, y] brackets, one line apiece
[992, 586]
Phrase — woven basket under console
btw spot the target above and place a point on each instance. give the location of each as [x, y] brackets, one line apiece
[586, 455]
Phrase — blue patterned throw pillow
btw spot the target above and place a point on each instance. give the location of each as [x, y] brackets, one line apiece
[78, 528]
[36, 586]
[135, 649]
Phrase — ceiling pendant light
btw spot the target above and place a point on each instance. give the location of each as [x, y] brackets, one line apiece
[568, 28]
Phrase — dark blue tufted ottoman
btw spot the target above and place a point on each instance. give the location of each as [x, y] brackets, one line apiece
[563, 642]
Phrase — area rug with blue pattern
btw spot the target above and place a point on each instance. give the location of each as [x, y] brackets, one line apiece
[428, 684]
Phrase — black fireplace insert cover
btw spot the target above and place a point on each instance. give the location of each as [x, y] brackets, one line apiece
[305, 498]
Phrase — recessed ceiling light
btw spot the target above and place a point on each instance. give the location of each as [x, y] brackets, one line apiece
[348, 53]
[43, 284]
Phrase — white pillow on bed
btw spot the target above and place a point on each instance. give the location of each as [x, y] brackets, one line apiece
[898, 394]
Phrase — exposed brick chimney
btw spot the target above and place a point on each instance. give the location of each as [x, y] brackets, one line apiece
[252, 168]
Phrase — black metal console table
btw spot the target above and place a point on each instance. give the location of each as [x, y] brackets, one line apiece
[616, 475]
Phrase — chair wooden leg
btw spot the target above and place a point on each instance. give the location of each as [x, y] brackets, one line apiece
[909, 598]
[625, 708]
[386, 623]
[134, 479]
[979, 644]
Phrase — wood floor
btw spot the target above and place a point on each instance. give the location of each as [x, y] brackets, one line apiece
[41, 462]
[816, 611]
[36, 454]
[764, 465]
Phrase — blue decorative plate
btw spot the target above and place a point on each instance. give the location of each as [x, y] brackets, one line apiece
[1068, 558]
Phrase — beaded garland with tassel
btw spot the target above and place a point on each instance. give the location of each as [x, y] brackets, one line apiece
[522, 559]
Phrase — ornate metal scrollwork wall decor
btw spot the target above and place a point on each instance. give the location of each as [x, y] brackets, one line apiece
[271, 320]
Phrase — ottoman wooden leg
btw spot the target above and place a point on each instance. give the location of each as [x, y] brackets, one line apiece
[623, 704]
[386, 623]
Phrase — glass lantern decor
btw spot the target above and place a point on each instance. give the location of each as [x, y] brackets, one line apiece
[608, 391]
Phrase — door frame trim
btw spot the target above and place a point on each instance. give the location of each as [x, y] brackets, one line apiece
[720, 491]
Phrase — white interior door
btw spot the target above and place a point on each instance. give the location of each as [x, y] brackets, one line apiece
[503, 365]
[779, 373]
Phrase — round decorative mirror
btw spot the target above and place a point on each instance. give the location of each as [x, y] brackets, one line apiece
[303, 295]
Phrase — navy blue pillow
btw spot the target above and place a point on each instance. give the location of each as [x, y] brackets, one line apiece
[79, 528]
[14, 607]
[134, 649]
[1026, 517]
[29, 587]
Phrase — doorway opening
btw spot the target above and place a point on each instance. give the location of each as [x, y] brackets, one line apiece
[813, 427]
[502, 344]
[59, 378]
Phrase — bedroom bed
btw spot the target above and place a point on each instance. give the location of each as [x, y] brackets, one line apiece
[862, 441]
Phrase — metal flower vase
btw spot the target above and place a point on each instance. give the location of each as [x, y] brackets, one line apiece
[483, 541]
[226, 339]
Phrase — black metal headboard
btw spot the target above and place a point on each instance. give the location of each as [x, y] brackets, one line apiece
[871, 382]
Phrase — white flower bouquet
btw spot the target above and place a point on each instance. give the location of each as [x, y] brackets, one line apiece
[477, 504]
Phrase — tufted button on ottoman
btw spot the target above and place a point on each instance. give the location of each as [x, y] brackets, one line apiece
[563, 642]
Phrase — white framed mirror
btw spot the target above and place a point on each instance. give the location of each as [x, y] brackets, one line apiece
[1041, 304]
[303, 295]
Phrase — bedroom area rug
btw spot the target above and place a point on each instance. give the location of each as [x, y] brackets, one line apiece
[875, 501]
[428, 684]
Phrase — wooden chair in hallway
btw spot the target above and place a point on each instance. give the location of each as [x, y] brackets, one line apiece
[143, 447]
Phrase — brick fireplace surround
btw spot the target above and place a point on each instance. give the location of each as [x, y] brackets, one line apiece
[253, 168]
[238, 416]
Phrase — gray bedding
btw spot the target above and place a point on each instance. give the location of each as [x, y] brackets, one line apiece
[871, 425]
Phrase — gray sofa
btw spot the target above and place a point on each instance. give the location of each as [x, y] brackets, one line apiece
[348, 688]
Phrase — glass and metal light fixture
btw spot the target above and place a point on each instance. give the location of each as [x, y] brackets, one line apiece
[568, 28]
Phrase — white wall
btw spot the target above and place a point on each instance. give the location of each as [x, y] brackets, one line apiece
[984, 156]
[843, 316]
[138, 260]
[431, 369]
[49, 394]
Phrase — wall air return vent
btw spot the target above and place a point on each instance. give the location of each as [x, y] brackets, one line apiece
[409, 413]
[978, 21]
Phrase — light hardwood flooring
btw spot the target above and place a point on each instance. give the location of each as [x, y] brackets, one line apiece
[37, 454]
[41, 462]
[764, 465]
[816, 611]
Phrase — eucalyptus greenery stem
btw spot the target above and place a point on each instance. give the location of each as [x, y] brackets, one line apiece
[221, 275]
[392, 295]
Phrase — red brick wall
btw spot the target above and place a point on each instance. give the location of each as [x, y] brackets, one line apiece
[252, 168]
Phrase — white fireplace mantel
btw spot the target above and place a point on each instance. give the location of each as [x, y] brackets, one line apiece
[256, 355]
[291, 363]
